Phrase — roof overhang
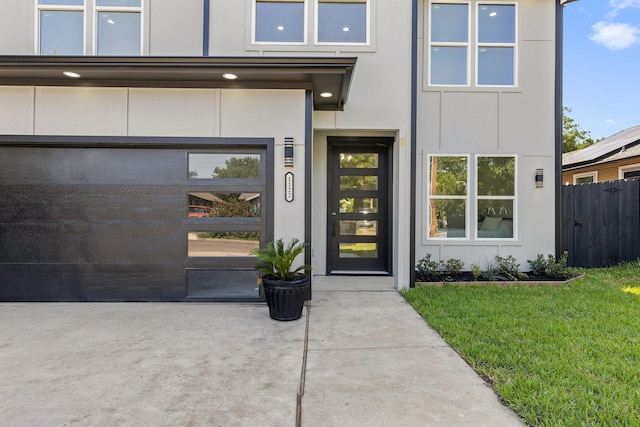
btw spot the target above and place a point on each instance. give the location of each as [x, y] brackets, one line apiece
[322, 75]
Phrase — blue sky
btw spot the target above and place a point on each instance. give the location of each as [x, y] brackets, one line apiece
[602, 64]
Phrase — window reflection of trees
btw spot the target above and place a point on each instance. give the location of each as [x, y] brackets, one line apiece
[448, 176]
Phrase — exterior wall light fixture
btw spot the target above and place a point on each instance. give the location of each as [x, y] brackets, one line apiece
[288, 151]
[539, 178]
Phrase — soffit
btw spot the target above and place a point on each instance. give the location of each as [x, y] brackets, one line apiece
[332, 75]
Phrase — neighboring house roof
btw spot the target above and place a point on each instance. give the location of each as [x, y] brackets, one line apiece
[622, 145]
[208, 196]
[331, 75]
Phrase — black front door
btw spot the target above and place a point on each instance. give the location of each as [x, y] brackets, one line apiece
[358, 205]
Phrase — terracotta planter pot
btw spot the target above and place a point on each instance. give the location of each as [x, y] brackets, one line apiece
[285, 299]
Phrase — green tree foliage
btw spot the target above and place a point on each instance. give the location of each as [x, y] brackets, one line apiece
[573, 138]
[239, 167]
[496, 176]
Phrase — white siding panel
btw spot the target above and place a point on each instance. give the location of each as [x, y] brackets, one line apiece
[16, 110]
[16, 27]
[527, 117]
[272, 114]
[537, 20]
[262, 113]
[80, 111]
[469, 122]
[175, 28]
[172, 112]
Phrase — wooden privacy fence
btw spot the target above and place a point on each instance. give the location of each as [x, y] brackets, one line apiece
[601, 223]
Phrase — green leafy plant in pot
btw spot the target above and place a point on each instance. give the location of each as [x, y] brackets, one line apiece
[285, 288]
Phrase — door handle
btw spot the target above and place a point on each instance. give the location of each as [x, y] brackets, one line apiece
[333, 224]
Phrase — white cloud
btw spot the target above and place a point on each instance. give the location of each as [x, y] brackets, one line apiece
[615, 36]
[618, 5]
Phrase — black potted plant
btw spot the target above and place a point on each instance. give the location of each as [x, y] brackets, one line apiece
[285, 289]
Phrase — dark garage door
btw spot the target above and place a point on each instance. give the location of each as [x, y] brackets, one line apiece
[132, 219]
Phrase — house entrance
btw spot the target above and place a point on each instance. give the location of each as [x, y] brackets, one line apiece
[358, 205]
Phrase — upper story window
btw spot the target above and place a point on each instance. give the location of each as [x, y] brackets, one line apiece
[342, 21]
[92, 27]
[119, 27]
[333, 22]
[492, 48]
[61, 27]
[280, 21]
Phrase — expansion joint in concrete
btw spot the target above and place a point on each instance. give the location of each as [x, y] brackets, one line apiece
[303, 371]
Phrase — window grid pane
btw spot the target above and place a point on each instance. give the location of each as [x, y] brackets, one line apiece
[449, 23]
[61, 32]
[119, 3]
[342, 22]
[495, 66]
[496, 197]
[62, 2]
[279, 22]
[449, 39]
[119, 33]
[448, 197]
[496, 24]
[449, 66]
[496, 176]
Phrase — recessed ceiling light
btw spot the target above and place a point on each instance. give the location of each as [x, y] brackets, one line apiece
[71, 74]
[345, 29]
[280, 28]
[326, 94]
[230, 76]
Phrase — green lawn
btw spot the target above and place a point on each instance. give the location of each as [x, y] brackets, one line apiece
[565, 355]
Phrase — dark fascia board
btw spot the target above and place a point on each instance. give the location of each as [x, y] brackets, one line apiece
[319, 74]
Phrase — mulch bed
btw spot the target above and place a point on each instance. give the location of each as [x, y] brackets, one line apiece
[467, 278]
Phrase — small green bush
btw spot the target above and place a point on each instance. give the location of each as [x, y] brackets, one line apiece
[451, 266]
[431, 270]
[556, 269]
[509, 268]
[476, 271]
[427, 269]
[538, 265]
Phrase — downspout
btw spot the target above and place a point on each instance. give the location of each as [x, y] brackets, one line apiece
[205, 28]
[413, 144]
[308, 179]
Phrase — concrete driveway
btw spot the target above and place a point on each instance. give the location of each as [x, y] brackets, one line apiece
[368, 359]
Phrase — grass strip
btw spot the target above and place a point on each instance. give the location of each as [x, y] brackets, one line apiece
[564, 355]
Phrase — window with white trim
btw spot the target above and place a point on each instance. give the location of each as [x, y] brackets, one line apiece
[585, 178]
[452, 201]
[93, 27]
[492, 48]
[332, 22]
[495, 197]
[629, 171]
[118, 27]
[448, 197]
[342, 22]
[61, 27]
[280, 21]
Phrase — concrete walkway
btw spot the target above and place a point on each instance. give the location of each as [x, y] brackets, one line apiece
[359, 356]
